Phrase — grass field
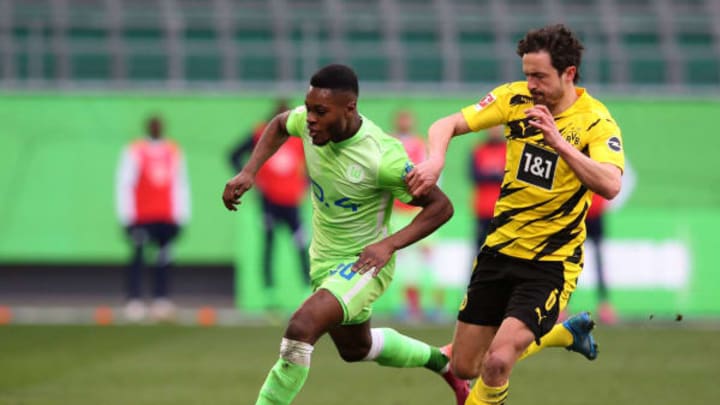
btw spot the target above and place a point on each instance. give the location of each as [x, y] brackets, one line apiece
[138, 365]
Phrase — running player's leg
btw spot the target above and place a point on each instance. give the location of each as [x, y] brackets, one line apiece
[318, 314]
[574, 333]
[507, 345]
[390, 348]
[480, 314]
[340, 295]
[470, 342]
[525, 295]
[355, 339]
[387, 347]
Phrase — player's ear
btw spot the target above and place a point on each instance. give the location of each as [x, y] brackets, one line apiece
[351, 105]
[570, 73]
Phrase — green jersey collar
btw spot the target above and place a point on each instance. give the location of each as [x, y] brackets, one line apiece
[359, 135]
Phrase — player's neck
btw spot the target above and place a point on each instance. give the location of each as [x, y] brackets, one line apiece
[565, 102]
[353, 128]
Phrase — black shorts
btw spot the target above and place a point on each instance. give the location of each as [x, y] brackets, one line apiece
[502, 286]
[159, 233]
[273, 213]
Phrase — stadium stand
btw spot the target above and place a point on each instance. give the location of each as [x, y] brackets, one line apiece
[173, 43]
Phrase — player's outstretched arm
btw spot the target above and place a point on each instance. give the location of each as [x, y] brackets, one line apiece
[436, 210]
[425, 175]
[272, 138]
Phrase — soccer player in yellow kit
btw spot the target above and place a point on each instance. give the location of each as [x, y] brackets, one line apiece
[563, 145]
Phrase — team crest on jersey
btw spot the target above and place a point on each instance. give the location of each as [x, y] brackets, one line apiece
[354, 173]
[614, 144]
[485, 101]
[571, 135]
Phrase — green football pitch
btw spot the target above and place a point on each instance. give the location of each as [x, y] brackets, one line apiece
[646, 363]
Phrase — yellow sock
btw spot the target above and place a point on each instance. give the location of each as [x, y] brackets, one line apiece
[558, 336]
[481, 394]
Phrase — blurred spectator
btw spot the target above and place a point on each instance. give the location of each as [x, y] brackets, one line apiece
[282, 183]
[153, 202]
[487, 169]
[415, 262]
[595, 224]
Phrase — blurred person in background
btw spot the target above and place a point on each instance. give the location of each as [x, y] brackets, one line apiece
[487, 169]
[282, 183]
[595, 224]
[153, 203]
[563, 145]
[415, 263]
[356, 170]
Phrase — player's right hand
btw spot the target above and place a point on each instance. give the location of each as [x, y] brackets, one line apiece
[423, 177]
[374, 257]
[235, 188]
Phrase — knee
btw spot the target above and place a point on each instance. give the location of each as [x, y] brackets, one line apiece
[356, 350]
[301, 327]
[496, 366]
[464, 369]
[354, 354]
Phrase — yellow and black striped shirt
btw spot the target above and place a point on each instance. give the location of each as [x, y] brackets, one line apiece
[540, 214]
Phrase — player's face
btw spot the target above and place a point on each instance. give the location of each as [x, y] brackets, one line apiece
[545, 84]
[328, 114]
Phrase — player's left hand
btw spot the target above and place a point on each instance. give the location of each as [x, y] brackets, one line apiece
[542, 119]
[373, 258]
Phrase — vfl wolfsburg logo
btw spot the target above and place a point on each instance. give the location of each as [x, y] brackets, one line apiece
[408, 168]
[354, 173]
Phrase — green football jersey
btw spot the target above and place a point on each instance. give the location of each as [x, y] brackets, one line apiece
[353, 186]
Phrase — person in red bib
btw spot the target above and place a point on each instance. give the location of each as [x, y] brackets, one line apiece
[153, 202]
[487, 168]
[282, 183]
[416, 264]
[596, 232]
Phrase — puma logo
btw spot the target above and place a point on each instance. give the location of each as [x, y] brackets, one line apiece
[540, 315]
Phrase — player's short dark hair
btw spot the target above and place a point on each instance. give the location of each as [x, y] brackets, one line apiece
[336, 77]
[563, 46]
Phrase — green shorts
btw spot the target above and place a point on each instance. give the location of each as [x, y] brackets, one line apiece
[356, 292]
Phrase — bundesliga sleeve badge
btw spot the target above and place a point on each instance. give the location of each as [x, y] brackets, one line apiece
[484, 102]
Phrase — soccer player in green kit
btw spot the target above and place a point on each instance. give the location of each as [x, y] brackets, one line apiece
[356, 171]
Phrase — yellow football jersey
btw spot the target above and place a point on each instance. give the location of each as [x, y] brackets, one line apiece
[540, 214]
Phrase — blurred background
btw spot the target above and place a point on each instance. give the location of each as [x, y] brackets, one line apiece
[79, 80]
[81, 77]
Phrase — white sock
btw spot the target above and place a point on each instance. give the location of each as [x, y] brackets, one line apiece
[378, 341]
[296, 352]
